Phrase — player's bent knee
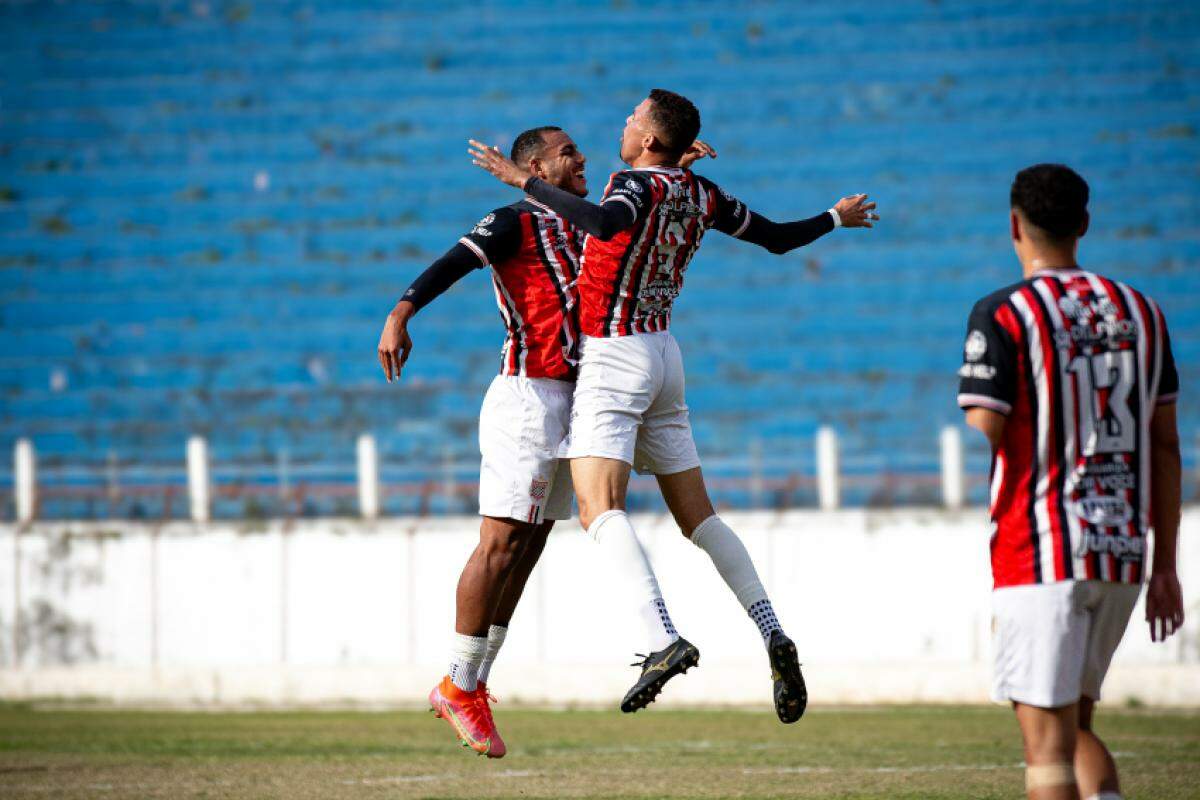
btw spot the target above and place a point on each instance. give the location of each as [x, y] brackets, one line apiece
[1044, 776]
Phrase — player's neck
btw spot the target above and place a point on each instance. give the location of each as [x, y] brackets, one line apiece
[651, 159]
[1044, 258]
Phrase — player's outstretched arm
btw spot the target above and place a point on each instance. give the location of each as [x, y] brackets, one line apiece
[1164, 597]
[395, 343]
[603, 221]
[782, 237]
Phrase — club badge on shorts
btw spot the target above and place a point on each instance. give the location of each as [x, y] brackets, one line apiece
[537, 489]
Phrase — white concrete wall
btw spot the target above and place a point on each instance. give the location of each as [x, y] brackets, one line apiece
[885, 607]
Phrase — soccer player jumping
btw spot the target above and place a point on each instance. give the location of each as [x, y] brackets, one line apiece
[534, 256]
[629, 408]
[1070, 376]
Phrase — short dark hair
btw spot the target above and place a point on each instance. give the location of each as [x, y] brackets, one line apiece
[528, 143]
[1053, 197]
[677, 120]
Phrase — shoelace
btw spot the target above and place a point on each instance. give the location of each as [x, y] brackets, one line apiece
[481, 709]
[644, 659]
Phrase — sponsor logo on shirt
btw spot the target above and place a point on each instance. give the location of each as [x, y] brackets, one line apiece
[1124, 548]
[481, 227]
[983, 372]
[1104, 510]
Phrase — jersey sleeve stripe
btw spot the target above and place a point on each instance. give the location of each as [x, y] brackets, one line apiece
[475, 249]
[1167, 399]
[967, 400]
[745, 224]
[624, 200]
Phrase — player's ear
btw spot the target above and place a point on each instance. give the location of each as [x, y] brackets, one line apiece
[1014, 224]
[1087, 220]
[535, 168]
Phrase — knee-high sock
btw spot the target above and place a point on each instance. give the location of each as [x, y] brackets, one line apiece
[615, 535]
[733, 563]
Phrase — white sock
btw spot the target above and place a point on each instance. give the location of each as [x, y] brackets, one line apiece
[733, 563]
[1106, 796]
[495, 639]
[465, 657]
[616, 537]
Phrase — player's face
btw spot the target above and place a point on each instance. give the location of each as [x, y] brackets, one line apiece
[637, 127]
[563, 164]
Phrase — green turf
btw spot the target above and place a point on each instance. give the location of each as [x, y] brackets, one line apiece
[903, 752]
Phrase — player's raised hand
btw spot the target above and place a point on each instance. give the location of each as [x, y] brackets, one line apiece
[699, 149]
[856, 212]
[491, 159]
[394, 343]
[1164, 605]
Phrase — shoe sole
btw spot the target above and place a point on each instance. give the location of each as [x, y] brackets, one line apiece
[437, 713]
[785, 662]
[650, 692]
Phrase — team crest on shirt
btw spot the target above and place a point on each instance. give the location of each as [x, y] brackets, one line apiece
[976, 346]
[538, 487]
[633, 185]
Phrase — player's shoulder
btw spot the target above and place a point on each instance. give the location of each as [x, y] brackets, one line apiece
[498, 220]
[989, 303]
[632, 180]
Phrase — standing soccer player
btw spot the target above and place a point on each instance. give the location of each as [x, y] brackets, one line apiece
[1070, 376]
[629, 408]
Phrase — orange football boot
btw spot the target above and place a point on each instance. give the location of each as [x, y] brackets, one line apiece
[470, 716]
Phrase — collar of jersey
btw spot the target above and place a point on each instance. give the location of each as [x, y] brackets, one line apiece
[1059, 270]
[656, 169]
[542, 206]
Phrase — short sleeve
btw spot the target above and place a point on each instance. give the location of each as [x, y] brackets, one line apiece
[632, 189]
[496, 237]
[1168, 381]
[988, 375]
[731, 216]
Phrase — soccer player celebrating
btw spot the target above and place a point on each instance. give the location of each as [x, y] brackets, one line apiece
[534, 256]
[1070, 376]
[629, 406]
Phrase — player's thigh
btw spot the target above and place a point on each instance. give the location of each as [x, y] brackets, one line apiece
[1039, 638]
[521, 427]
[618, 380]
[665, 445]
[1111, 606]
[687, 498]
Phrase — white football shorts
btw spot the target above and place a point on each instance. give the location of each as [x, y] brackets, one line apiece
[522, 426]
[1053, 642]
[629, 404]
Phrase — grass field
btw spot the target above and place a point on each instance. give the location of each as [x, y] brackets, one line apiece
[903, 752]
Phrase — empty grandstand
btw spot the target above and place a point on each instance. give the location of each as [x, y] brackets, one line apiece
[207, 208]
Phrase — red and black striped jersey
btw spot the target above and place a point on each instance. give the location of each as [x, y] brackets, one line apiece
[534, 256]
[1077, 362]
[629, 282]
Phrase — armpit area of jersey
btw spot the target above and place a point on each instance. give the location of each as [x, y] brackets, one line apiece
[782, 237]
[458, 262]
[603, 221]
